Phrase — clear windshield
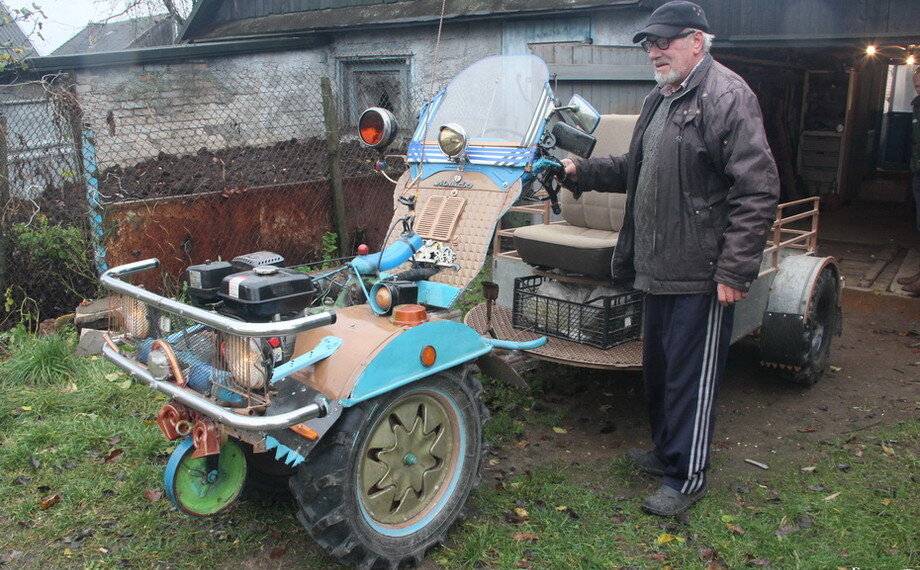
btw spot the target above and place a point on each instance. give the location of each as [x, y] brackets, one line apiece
[496, 101]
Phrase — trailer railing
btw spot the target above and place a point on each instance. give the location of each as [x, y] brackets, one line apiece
[784, 236]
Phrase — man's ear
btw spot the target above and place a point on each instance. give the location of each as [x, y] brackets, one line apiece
[697, 43]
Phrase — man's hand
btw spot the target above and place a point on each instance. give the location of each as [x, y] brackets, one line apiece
[729, 295]
[571, 173]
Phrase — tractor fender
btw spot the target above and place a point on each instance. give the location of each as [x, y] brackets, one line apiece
[399, 361]
[785, 320]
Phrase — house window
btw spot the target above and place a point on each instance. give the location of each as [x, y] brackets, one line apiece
[376, 83]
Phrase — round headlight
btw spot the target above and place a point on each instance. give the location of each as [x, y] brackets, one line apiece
[377, 127]
[384, 298]
[246, 361]
[452, 139]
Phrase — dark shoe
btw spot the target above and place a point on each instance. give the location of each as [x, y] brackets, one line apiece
[668, 502]
[909, 279]
[647, 461]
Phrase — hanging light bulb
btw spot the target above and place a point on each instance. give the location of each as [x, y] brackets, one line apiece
[910, 60]
[870, 50]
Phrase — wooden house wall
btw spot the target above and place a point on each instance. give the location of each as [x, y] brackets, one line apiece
[614, 79]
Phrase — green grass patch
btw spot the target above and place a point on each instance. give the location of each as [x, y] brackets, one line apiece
[42, 360]
[858, 507]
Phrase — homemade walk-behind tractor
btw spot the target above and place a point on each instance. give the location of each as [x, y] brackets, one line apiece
[354, 385]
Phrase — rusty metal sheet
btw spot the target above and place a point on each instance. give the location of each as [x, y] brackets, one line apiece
[289, 219]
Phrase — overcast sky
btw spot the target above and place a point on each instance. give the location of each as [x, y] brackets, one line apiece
[65, 18]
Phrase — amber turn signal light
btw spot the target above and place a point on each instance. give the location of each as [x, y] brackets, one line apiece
[429, 355]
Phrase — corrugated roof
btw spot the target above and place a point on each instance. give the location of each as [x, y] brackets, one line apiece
[12, 37]
[203, 23]
[115, 36]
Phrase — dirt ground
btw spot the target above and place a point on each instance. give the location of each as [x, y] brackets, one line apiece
[874, 381]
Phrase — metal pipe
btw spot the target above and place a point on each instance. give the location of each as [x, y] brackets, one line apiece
[317, 409]
[515, 345]
[111, 280]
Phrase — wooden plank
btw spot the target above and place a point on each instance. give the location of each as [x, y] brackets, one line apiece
[593, 72]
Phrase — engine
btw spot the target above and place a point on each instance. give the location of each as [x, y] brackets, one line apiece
[252, 288]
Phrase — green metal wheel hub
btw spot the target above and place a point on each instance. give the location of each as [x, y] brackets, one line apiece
[408, 458]
[204, 486]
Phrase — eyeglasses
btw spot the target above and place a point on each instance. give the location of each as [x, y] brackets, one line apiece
[662, 43]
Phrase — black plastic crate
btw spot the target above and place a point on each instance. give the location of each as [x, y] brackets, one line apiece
[603, 321]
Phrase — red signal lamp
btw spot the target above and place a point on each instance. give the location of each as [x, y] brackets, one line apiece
[377, 128]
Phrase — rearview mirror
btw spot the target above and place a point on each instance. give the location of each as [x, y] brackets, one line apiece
[584, 113]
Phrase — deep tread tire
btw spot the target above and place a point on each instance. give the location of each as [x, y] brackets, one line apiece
[326, 487]
[823, 325]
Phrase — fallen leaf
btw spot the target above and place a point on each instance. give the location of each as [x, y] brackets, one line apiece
[112, 456]
[36, 464]
[666, 538]
[277, 552]
[560, 430]
[658, 557]
[727, 518]
[522, 564]
[521, 512]
[736, 529]
[153, 496]
[125, 385]
[886, 501]
[522, 536]
[887, 450]
[836, 368]
[522, 444]
[562, 508]
[832, 497]
[49, 501]
[809, 469]
[760, 562]
[808, 429]
[113, 376]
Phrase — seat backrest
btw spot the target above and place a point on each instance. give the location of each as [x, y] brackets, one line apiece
[602, 210]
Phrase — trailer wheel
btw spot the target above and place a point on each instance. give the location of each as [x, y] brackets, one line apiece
[395, 472]
[819, 328]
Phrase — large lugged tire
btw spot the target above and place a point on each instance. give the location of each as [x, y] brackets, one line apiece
[821, 325]
[395, 472]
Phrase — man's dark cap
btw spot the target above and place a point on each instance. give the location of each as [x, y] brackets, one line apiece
[672, 18]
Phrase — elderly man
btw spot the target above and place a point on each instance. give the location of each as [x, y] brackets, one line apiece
[702, 189]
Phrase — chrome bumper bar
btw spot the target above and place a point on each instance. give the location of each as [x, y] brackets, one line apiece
[111, 280]
[317, 409]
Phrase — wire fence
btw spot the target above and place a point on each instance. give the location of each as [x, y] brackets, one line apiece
[186, 163]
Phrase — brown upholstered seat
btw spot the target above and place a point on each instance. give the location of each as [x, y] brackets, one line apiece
[585, 241]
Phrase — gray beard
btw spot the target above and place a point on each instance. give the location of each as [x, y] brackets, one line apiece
[668, 78]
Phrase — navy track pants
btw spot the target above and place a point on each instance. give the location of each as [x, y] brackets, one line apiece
[686, 344]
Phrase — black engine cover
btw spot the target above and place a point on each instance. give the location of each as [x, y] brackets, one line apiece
[265, 291]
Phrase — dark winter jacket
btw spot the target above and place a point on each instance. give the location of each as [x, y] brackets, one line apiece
[915, 149]
[717, 187]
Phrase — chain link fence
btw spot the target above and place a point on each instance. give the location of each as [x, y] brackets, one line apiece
[188, 162]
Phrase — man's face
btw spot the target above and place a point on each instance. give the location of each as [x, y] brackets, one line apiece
[917, 83]
[674, 64]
